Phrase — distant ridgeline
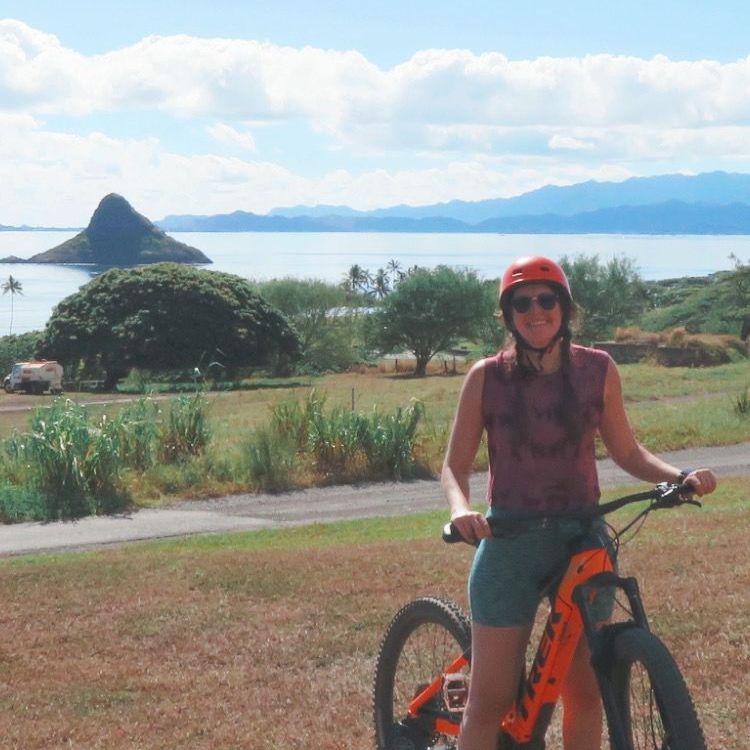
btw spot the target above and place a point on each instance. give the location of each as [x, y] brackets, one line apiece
[709, 203]
[117, 235]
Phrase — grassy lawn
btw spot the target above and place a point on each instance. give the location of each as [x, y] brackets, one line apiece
[267, 640]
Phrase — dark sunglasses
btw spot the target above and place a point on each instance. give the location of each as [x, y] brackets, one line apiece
[521, 303]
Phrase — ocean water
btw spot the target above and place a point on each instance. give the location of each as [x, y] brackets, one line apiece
[328, 256]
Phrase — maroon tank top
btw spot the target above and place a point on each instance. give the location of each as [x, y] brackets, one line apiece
[546, 471]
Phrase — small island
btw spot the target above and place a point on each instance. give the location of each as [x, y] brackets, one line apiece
[118, 235]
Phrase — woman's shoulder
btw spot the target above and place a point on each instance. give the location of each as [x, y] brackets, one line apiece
[590, 357]
[500, 365]
[589, 353]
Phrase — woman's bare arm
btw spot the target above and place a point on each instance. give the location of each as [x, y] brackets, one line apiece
[465, 437]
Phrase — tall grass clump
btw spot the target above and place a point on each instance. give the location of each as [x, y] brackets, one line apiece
[184, 430]
[271, 460]
[332, 445]
[293, 419]
[390, 439]
[741, 403]
[137, 428]
[73, 464]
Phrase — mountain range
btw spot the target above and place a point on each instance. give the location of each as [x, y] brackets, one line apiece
[708, 203]
[713, 188]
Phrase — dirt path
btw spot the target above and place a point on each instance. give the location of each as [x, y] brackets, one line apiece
[19, 402]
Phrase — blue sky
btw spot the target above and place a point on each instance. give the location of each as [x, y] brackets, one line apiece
[197, 107]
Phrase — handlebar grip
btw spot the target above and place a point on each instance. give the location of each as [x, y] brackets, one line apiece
[451, 534]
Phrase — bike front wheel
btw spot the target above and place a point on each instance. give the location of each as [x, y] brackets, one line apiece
[423, 638]
[651, 696]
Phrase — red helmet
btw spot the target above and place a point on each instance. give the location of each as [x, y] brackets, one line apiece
[533, 269]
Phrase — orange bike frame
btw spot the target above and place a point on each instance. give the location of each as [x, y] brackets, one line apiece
[542, 687]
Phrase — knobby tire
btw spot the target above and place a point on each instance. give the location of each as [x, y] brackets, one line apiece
[423, 638]
[651, 696]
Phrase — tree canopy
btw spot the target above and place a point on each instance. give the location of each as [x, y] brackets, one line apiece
[607, 294]
[166, 316]
[18, 348]
[429, 311]
[328, 327]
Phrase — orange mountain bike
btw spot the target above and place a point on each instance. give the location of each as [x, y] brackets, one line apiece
[423, 668]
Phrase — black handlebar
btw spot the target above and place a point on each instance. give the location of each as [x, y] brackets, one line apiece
[664, 495]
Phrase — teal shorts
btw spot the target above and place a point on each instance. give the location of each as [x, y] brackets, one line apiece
[510, 576]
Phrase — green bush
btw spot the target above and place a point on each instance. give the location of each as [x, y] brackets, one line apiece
[21, 504]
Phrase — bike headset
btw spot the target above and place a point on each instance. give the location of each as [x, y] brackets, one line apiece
[540, 270]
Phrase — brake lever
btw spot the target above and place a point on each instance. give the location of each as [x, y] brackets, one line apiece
[672, 495]
[688, 497]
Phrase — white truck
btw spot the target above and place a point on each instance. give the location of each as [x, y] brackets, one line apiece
[35, 377]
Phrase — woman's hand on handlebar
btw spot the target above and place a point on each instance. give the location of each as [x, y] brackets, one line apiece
[701, 481]
[471, 525]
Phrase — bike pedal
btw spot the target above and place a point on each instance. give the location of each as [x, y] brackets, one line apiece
[456, 691]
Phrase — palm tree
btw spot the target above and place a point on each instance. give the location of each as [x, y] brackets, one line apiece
[381, 283]
[394, 267]
[356, 279]
[15, 287]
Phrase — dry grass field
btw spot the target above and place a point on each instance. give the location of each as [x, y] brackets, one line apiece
[266, 641]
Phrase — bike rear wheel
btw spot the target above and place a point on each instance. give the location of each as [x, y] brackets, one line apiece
[651, 696]
[423, 638]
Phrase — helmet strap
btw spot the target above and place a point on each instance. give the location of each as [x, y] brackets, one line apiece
[540, 351]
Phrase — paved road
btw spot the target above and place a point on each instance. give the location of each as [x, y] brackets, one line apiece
[249, 512]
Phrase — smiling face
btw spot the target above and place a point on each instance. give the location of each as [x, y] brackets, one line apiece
[538, 326]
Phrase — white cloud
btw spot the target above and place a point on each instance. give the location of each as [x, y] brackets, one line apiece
[247, 79]
[227, 135]
[443, 124]
[568, 143]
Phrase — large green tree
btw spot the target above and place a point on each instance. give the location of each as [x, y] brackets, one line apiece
[328, 327]
[165, 316]
[429, 311]
[607, 294]
[18, 348]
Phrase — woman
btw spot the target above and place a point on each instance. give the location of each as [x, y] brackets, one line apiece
[542, 403]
